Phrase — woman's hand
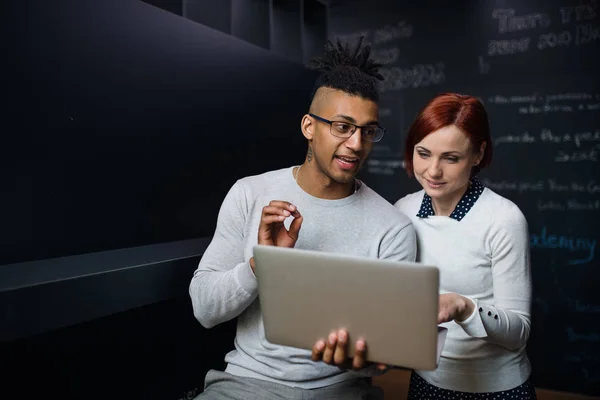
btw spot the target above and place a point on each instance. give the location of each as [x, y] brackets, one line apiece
[454, 307]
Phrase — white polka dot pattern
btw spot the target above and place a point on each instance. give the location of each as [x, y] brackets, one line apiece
[463, 206]
[420, 389]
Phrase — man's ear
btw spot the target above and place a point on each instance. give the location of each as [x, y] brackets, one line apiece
[307, 126]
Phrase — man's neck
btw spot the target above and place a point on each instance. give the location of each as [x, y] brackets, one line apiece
[319, 185]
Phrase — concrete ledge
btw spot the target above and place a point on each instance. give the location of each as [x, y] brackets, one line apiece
[44, 295]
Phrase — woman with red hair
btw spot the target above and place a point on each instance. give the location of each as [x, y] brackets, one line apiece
[480, 242]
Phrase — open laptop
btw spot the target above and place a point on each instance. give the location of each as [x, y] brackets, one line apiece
[305, 294]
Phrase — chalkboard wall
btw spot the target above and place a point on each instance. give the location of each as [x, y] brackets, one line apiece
[535, 66]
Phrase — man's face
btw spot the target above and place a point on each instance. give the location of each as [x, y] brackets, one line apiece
[339, 159]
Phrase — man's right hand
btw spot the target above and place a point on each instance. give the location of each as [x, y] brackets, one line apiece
[272, 232]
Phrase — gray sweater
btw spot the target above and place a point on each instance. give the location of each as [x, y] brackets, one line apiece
[224, 286]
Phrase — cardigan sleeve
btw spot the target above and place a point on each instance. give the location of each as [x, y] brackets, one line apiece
[507, 321]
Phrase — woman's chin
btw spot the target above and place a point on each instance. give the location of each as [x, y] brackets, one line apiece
[434, 190]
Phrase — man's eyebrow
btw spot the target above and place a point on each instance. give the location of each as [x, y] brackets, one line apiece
[346, 117]
[352, 120]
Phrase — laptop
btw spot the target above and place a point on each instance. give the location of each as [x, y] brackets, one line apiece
[306, 294]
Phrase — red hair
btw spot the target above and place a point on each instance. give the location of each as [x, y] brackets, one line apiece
[465, 112]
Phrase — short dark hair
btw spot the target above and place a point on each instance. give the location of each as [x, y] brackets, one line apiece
[465, 112]
[349, 70]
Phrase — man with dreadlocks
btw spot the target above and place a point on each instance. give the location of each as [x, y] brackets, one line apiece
[319, 205]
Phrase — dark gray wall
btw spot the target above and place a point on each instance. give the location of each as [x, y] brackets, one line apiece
[156, 352]
[126, 124]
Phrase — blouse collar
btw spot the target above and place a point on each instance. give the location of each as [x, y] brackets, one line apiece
[462, 208]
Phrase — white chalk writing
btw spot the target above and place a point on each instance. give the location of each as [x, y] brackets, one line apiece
[508, 21]
[591, 187]
[578, 139]
[536, 103]
[519, 187]
[385, 112]
[550, 206]
[549, 185]
[386, 56]
[498, 99]
[385, 34]
[569, 205]
[400, 30]
[548, 98]
[420, 75]
[584, 32]
[554, 39]
[582, 307]
[546, 109]
[387, 149]
[569, 97]
[577, 155]
[384, 167]
[581, 12]
[520, 138]
[508, 47]
[574, 336]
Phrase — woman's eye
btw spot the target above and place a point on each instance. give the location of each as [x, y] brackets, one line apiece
[423, 155]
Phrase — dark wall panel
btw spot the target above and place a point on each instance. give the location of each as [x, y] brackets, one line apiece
[127, 124]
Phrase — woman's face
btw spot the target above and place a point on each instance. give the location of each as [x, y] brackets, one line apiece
[442, 162]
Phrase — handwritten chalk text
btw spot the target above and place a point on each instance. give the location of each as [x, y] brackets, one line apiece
[574, 244]
[508, 21]
[581, 12]
[569, 205]
[419, 75]
[551, 185]
[588, 337]
[586, 308]
[400, 30]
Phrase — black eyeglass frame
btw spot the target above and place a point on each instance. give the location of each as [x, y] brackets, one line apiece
[379, 130]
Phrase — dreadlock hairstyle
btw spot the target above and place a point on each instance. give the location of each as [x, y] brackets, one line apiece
[348, 70]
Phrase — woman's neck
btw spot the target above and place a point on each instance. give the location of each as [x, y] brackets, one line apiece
[444, 206]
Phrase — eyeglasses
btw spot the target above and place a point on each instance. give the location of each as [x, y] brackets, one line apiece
[344, 130]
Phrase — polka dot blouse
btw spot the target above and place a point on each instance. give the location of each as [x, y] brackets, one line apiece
[420, 389]
[463, 206]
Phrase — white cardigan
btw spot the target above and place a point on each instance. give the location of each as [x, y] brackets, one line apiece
[482, 251]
